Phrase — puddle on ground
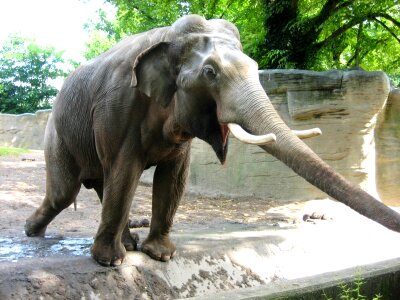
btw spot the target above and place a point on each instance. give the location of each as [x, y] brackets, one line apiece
[13, 249]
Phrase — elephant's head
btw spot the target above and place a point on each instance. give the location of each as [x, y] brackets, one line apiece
[213, 87]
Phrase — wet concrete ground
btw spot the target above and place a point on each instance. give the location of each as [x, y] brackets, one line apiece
[13, 249]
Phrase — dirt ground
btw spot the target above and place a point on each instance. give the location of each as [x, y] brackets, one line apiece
[22, 187]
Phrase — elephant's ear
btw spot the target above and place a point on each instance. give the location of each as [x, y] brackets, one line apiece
[153, 74]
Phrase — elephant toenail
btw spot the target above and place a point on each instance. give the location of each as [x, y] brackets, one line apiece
[117, 262]
[165, 258]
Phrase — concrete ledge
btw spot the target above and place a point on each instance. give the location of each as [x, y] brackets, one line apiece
[379, 278]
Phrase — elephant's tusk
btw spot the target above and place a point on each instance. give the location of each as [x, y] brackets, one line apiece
[248, 138]
[305, 134]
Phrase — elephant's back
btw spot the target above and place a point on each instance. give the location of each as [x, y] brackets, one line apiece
[72, 118]
[87, 90]
[113, 69]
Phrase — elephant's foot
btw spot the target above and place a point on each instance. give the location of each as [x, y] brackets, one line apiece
[108, 251]
[129, 240]
[36, 224]
[159, 248]
[32, 229]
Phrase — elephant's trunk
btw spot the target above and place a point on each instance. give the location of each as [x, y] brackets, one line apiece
[259, 117]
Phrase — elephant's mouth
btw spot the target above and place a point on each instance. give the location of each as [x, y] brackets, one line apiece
[212, 132]
[224, 134]
[221, 145]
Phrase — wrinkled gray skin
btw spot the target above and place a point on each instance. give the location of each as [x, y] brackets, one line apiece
[139, 105]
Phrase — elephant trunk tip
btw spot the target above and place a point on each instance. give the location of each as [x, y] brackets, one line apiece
[370, 207]
[393, 223]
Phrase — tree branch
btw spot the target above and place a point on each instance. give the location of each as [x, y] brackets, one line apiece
[389, 17]
[343, 5]
[339, 31]
[329, 9]
[366, 51]
[387, 28]
[358, 48]
[356, 21]
[141, 11]
[213, 9]
[226, 9]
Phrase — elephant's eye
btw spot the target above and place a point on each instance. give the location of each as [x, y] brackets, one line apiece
[209, 72]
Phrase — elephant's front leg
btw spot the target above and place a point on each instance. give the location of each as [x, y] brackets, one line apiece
[168, 187]
[120, 182]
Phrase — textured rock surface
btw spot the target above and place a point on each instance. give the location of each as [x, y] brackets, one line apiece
[388, 151]
[26, 130]
[346, 105]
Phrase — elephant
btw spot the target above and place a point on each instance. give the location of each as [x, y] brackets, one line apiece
[140, 104]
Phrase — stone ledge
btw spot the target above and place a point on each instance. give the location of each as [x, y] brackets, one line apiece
[379, 278]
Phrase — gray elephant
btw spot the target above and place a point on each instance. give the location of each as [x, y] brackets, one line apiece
[140, 104]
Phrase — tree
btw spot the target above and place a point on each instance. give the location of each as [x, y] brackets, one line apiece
[25, 73]
[134, 16]
[304, 34]
[104, 33]
[328, 34]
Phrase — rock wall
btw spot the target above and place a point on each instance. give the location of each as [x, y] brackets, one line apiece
[23, 131]
[388, 151]
[346, 105]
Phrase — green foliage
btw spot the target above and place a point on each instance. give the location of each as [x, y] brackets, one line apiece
[305, 34]
[353, 292]
[394, 79]
[326, 34]
[25, 71]
[139, 15]
[370, 42]
[104, 33]
[12, 151]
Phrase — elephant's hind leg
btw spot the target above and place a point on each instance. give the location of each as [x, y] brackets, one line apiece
[62, 187]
